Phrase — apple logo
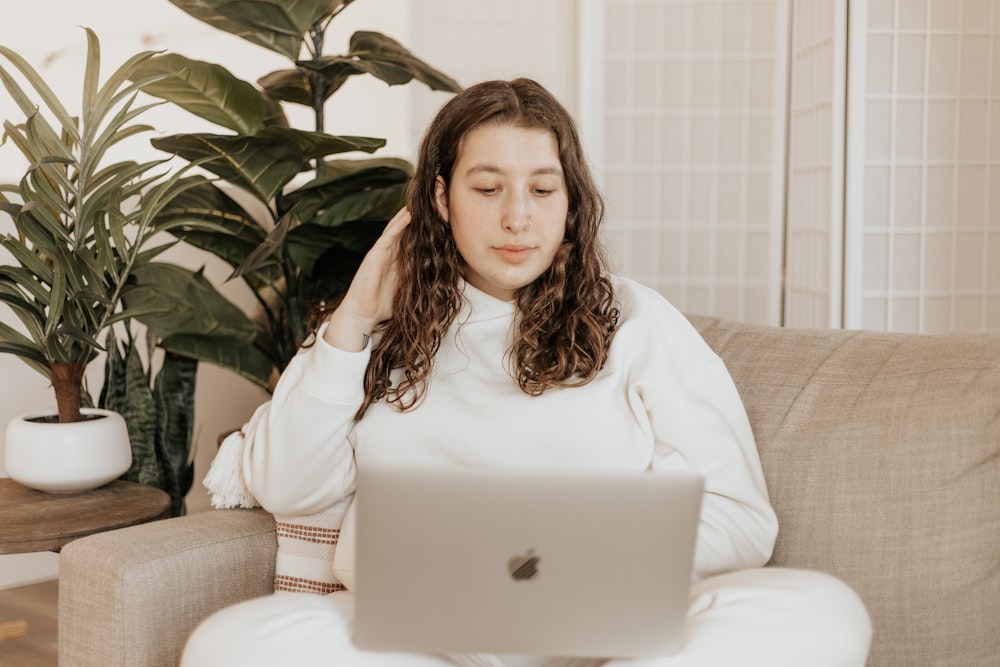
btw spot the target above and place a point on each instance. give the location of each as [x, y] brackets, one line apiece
[523, 568]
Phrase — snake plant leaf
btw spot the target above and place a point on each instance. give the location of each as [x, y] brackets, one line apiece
[236, 355]
[159, 418]
[319, 144]
[139, 411]
[277, 25]
[260, 165]
[173, 393]
[384, 58]
[207, 90]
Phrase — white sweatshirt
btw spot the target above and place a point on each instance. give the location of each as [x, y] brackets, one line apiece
[664, 400]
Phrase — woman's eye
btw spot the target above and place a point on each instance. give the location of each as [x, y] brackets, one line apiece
[487, 191]
[542, 192]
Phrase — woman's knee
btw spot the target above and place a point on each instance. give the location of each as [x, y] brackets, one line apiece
[262, 630]
[831, 613]
[796, 613]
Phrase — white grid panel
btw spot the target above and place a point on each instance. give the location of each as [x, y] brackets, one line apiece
[929, 236]
[693, 150]
[814, 216]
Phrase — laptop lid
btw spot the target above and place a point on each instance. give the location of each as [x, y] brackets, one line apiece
[518, 561]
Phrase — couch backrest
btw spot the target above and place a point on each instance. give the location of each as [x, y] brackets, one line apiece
[882, 458]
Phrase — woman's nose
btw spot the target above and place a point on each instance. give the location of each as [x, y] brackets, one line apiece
[517, 213]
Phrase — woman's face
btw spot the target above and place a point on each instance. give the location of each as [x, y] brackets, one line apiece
[506, 206]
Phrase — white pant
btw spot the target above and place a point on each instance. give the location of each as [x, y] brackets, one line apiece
[770, 616]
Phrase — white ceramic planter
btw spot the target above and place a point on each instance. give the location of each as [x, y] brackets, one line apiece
[63, 458]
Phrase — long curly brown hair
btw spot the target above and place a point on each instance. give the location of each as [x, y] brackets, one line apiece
[567, 317]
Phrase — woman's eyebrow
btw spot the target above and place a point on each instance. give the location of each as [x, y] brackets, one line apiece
[494, 169]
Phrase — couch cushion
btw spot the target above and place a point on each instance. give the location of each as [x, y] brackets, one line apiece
[882, 457]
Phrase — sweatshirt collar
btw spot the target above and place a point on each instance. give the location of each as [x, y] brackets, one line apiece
[481, 306]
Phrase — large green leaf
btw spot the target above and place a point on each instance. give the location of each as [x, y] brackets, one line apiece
[332, 273]
[384, 58]
[174, 300]
[273, 243]
[319, 144]
[208, 218]
[307, 243]
[277, 25]
[234, 354]
[207, 90]
[336, 168]
[261, 165]
[366, 193]
[289, 85]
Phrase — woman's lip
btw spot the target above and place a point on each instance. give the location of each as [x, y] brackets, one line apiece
[513, 252]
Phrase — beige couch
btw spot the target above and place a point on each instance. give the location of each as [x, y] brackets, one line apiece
[882, 455]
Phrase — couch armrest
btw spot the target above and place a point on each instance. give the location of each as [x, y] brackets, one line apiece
[130, 597]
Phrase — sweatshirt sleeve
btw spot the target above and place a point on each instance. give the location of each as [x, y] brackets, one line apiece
[699, 424]
[301, 460]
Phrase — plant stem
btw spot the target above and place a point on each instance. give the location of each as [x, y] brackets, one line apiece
[318, 84]
[67, 380]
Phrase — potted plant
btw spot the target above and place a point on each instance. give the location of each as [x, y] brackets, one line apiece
[85, 240]
[322, 214]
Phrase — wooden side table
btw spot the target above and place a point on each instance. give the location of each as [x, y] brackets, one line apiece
[33, 521]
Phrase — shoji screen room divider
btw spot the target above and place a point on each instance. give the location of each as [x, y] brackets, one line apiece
[818, 163]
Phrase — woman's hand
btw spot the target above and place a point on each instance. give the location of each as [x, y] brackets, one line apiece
[369, 298]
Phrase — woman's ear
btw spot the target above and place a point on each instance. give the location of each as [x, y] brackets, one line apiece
[441, 197]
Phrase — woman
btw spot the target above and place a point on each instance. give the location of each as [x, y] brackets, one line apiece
[486, 307]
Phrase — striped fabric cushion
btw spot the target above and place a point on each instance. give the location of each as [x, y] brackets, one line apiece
[306, 545]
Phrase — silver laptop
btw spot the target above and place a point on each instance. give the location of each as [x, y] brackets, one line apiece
[515, 561]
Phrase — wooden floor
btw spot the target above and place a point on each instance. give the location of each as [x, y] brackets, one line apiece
[35, 604]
